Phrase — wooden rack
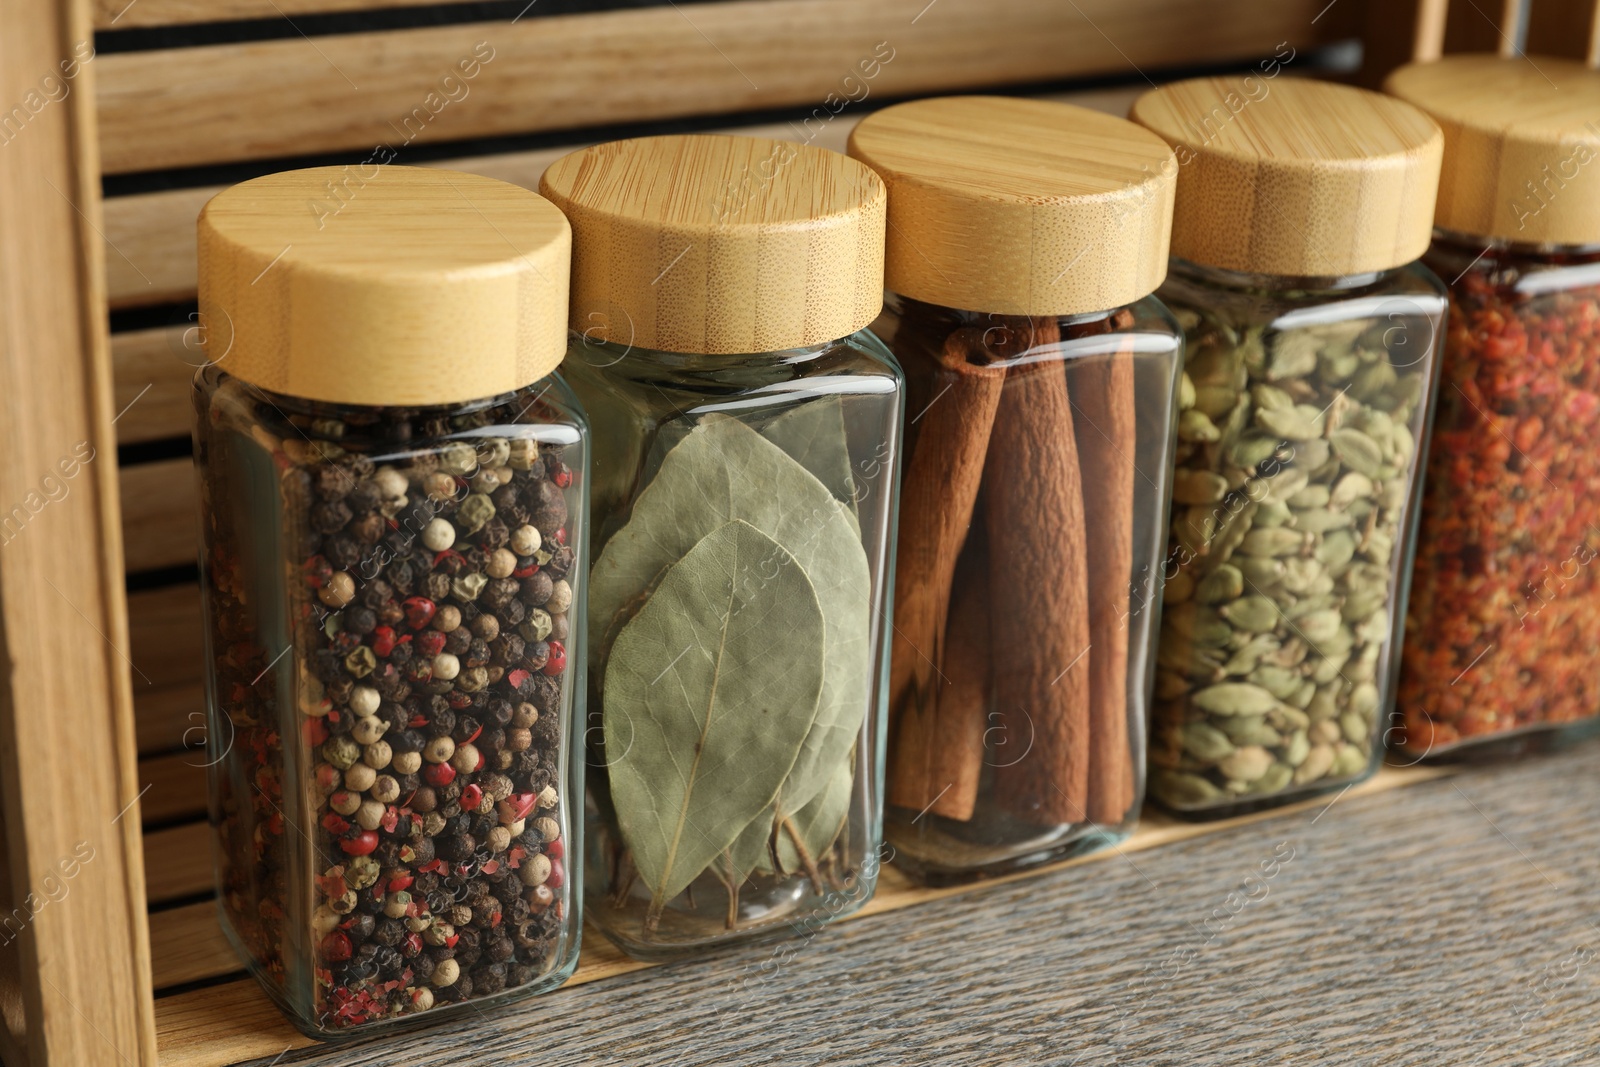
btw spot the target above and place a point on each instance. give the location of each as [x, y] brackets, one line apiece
[101, 177]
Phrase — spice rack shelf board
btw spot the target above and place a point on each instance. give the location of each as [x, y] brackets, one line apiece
[120, 15]
[1445, 923]
[223, 1024]
[278, 98]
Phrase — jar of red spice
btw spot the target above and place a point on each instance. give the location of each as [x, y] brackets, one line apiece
[1505, 606]
[1312, 333]
[392, 485]
[1025, 240]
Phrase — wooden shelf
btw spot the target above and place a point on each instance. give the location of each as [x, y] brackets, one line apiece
[232, 1020]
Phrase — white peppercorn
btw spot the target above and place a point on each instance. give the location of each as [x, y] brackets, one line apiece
[438, 535]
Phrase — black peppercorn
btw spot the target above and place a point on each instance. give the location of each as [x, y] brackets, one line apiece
[457, 847]
[389, 932]
[560, 564]
[466, 726]
[359, 620]
[359, 926]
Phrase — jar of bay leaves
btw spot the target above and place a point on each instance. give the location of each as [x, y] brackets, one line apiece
[1505, 599]
[1313, 339]
[1025, 239]
[747, 448]
[392, 550]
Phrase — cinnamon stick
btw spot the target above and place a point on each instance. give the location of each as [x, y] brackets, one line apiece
[1038, 585]
[1107, 435]
[938, 747]
[936, 506]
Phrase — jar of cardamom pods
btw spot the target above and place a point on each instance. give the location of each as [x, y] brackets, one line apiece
[392, 484]
[746, 456]
[1313, 335]
[1505, 597]
[1025, 241]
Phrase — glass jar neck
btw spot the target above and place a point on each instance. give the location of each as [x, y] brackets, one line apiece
[1244, 281]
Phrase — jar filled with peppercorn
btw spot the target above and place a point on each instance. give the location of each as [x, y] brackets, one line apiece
[746, 457]
[392, 484]
[1309, 380]
[1025, 240]
[1505, 605]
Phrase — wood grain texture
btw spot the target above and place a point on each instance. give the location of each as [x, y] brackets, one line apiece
[153, 372]
[156, 230]
[159, 517]
[1515, 133]
[167, 646]
[174, 108]
[720, 245]
[1483, 26]
[396, 286]
[1020, 207]
[124, 15]
[166, 717]
[236, 1021]
[77, 987]
[187, 945]
[1295, 177]
[175, 787]
[1401, 929]
[177, 862]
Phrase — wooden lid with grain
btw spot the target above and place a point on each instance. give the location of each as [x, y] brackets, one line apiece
[720, 245]
[1521, 136]
[1020, 207]
[1295, 177]
[411, 286]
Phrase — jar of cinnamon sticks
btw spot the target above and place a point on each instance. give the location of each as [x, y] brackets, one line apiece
[1025, 239]
[1505, 605]
[746, 456]
[1312, 341]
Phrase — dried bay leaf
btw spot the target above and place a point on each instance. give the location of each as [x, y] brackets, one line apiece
[723, 470]
[813, 435]
[711, 689]
[818, 823]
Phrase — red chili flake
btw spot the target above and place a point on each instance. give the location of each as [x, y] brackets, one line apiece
[334, 823]
[515, 857]
[383, 641]
[471, 797]
[517, 678]
[1505, 605]
[400, 882]
[316, 731]
[391, 819]
[558, 658]
[439, 774]
[475, 734]
[331, 885]
[526, 572]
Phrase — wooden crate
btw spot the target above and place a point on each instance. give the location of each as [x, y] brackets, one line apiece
[121, 960]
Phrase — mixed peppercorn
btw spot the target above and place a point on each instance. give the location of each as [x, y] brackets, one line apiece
[1505, 606]
[430, 618]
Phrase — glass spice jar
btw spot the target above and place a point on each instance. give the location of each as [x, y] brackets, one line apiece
[1025, 239]
[746, 454]
[1505, 607]
[392, 483]
[1310, 374]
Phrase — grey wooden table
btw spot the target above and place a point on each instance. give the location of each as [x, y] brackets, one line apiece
[1452, 923]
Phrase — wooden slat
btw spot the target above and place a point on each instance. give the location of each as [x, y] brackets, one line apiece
[159, 515]
[232, 1022]
[128, 14]
[177, 862]
[1397, 32]
[167, 717]
[174, 108]
[76, 980]
[156, 233]
[1482, 26]
[1566, 28]
[167, 647]
[186, 945]
[153, 382]
[175, 786]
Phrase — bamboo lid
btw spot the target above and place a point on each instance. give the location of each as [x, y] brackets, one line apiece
[1519, 144]
[720, 245]
[1295, 177]
[1020, 207]
[414, 286]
